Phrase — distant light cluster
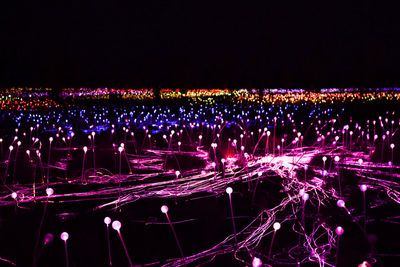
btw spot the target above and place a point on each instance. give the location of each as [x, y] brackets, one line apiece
[23, 99]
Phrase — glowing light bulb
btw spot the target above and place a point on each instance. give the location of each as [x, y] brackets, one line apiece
[51, 139]
[85, 149]
[18, 143]
[324, 158]
[11, 148]
[49, 191]
[277, 226]
[256, 262]
[120, 149]
[177, 173]
[14, 195]
[341, 203]
[229, 190]
[363, 187]
[364, 264]
[164, 209]
[391, 146]
[48, 238]
[305, 197]
[339, 230]
[360, 161]
[64, 236]
[301, 192]
[116, 225]
[337, 158]
[107, 220]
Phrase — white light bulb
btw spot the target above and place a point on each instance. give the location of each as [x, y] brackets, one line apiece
[229, 190]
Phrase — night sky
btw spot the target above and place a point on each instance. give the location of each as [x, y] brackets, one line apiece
[198, 44]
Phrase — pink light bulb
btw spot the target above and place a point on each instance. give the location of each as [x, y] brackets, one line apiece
[116, 225]
[120, 149]
[11, 148]
[301, 192]
[177, 173]
[277, 226]
[164, 209]
[339, 230]
[85, 149]
[64, 236]
[14, 195]
[49, 191]
[364, 264]
[256, 262]
[107, 220]
[341, 203]
[363, 187]
[305, 197]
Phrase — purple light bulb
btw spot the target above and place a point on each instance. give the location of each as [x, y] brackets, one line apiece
[48, 238]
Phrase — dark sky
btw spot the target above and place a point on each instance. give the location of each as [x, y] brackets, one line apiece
[199, 44]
